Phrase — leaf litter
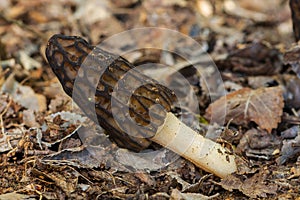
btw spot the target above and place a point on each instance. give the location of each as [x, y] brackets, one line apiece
[50, 150]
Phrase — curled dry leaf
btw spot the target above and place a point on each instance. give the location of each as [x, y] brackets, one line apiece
[254, 186]
[262, 106]
[257, 58]
[258, 144]
[290, 145]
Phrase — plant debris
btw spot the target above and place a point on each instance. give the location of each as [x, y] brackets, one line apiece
[245, 105]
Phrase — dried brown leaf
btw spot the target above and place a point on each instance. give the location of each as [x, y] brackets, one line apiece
[256, 58]
[262, 106]
[289, 150]
[255, 186]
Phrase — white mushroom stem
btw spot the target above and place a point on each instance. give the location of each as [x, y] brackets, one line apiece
[204, 153]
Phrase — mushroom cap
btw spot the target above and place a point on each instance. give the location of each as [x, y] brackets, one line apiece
[130, 106]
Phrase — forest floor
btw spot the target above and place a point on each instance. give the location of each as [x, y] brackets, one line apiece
[43, 148]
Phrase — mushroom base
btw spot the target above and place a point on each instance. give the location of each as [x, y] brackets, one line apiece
[204, 153]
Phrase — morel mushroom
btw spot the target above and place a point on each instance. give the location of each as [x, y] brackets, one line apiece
[76, 64]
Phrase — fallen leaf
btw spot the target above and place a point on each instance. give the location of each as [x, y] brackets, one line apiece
[92, 11]
[255, 186]
[258, 144]
[262, 106]
[290, 133]
[295, 171]
[24, 95]
[29, 119]
[257, 58]
[290, 149]
[31, 66]
[152, 160]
